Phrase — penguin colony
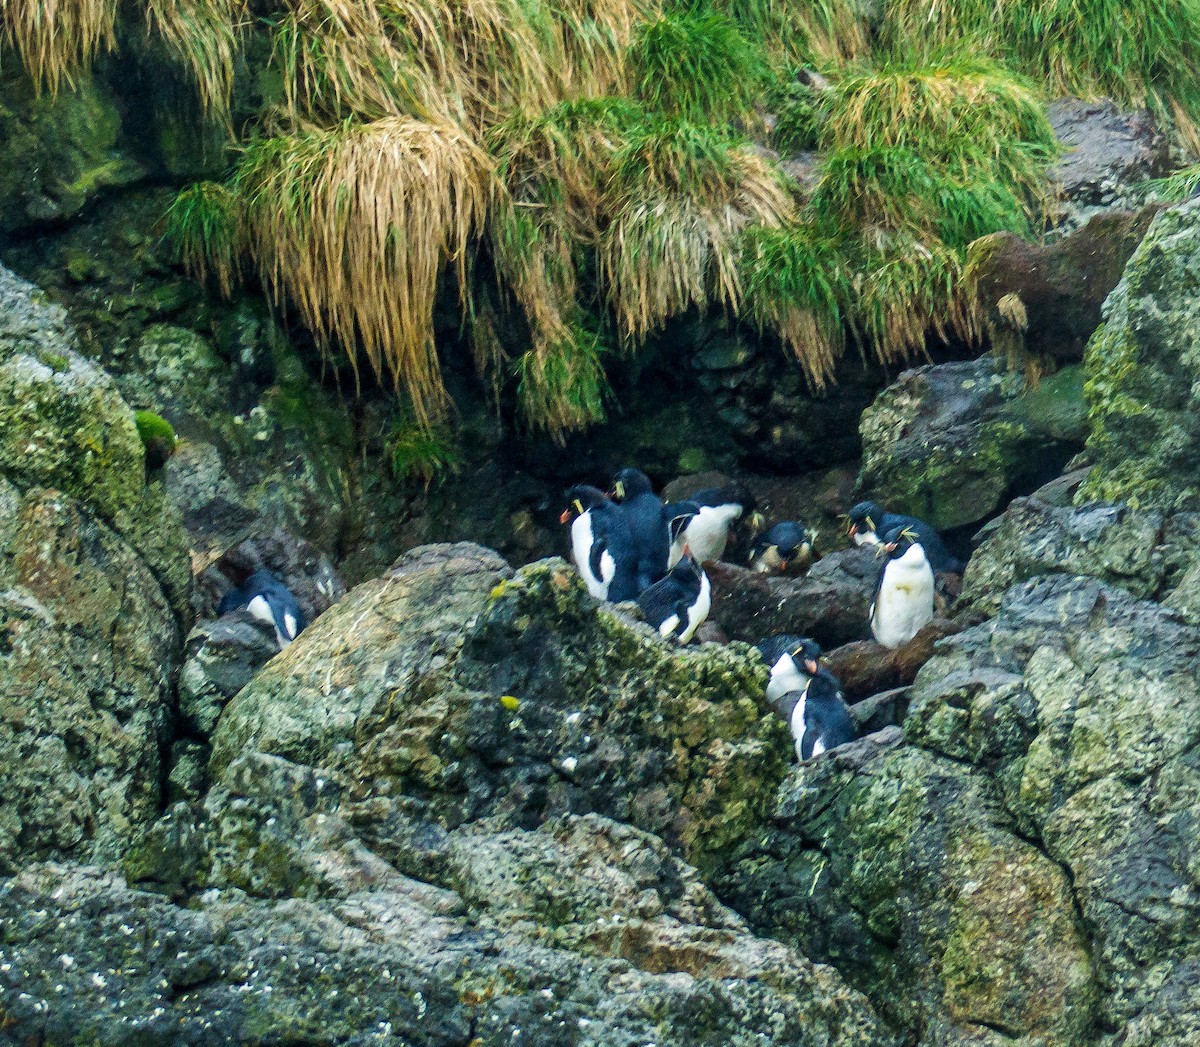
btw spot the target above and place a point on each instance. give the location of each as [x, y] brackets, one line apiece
[628, 544]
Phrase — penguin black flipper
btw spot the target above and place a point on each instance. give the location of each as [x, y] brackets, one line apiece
[827, 719]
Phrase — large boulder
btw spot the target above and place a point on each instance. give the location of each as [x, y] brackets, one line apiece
[1143, 367]
[1043, 301]
[951, 443]
[452, 690]
[1108, 150]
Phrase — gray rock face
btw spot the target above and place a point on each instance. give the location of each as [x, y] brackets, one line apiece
[220, 658]
[949, 443]
[1142, 369]
[1148, 554]
[451, 690]
[1109, 149]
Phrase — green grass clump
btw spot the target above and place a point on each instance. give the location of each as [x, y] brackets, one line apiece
[800, 113]
[818, 33]
[1139, 52]
[699, 67]
[421, 454]
[158, 438]
[203, 229]
[1176, 187]
[561, 386]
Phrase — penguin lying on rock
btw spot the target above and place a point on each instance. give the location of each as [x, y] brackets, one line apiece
[268, 600]
[785, 543]
[818, 716]
[903, 602]
[717, 511]
[644, 514]
[678, 604]
[869, 521]
[601, 544]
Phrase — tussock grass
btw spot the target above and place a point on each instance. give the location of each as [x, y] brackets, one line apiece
[800, 287]
[1176, 187]
[699, 67]
[204, 36]
[353, 226]
[1140, 52]
[681, 195]
[561, 384]
[58, 39]
[820, 33]
[203, 226]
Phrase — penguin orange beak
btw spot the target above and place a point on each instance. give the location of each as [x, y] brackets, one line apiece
[852, 530]
[782, 566]
[566, 517]
[890, 547]
[811, 666]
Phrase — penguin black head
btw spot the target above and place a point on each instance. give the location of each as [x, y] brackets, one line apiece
[865, 517]
[580, 499]
[629, 483]
[680, 514]
[898, 541]
[803, 650]
[808, 654]
[784, 542]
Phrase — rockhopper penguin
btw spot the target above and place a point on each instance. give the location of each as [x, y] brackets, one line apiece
[601, 545]
[818, 716]
[868, 522]
[785, 543]
[643, 512]
[717, 511]
[268, 600]
[678, 604]
[904, 593]
[794, 661]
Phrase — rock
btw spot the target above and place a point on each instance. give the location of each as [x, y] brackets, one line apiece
[1080, 704]
[1142, 369]
[866, 667]
[1108, 150]
[220, 658]
[62, 149]
[88, 651]
[1149, 554]
[951, 443]
[829, 603]
[1043, 301]
[880, 711]
[582, 931]
[452, 690]
[894, 864]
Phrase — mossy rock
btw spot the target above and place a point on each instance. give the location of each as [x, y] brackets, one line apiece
[1143, 374]
[158, 437]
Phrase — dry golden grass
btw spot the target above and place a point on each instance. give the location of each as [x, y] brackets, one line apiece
[204, 35]
[354, 225]
[58, 38]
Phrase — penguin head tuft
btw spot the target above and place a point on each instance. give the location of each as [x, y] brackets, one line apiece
[629, 483]
[580, 499]
[864, 517]
[899, 540]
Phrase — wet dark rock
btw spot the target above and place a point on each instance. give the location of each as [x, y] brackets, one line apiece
[880, 711]
[951, 443]
[866, 667]
[1043, 301]
[1108, 150]
[220, 658]
[829, 603]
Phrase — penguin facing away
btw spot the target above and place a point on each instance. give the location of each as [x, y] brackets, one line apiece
[644, 514]
[818, 716]
[718, 510]
[903, 602]
[679, 603]
[601, 545]
[270, 601]
[789, 542]
[869, 521]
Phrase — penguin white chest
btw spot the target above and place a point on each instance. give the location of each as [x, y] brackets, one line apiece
[798, 725]
[698, 612]
[904, 603]
[708, 532]
[582, 541]
[785, 677]
[866, 538]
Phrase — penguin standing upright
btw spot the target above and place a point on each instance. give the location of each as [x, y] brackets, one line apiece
[869, 521]
[677, 604]
[789, 542]
[717, 510]
[601, 545]
[818, 716]
[270, 601]
[904, 593]
[644, 514]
